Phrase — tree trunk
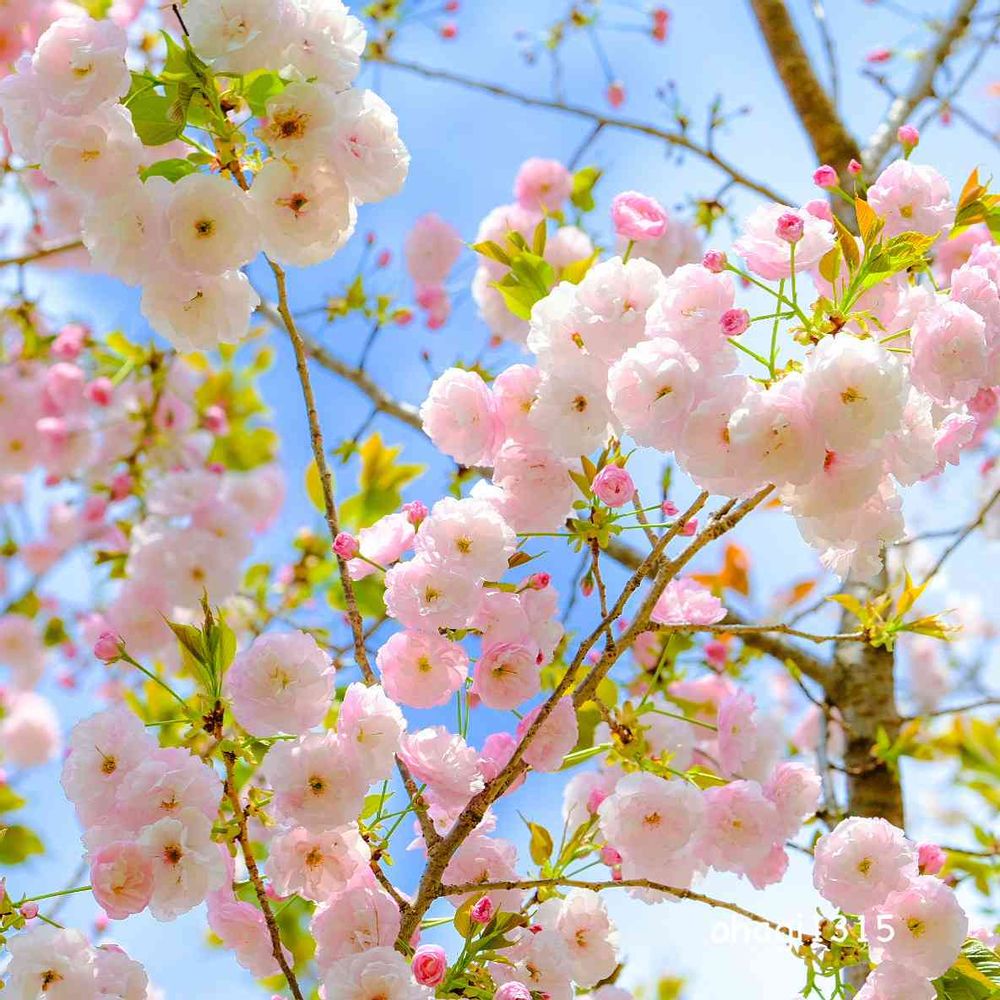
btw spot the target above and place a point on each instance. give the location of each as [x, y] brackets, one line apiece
[863, 687]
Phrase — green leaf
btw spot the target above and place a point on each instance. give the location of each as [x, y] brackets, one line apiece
[260, 88]
[314, 487]
[584, 181]
[156, 117]
[18, 843]
[10, 801]
[541, 844]
[173, 170]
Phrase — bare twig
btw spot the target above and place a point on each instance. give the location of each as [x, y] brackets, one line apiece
[921, 86]
[968, 530]
[628, 883]
[243, 838]
[674, 139]
[41, 253]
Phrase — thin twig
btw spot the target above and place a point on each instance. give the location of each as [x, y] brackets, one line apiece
[628, 883]
[675, 139]
[921, 86]
[243, 838]
[30, 256]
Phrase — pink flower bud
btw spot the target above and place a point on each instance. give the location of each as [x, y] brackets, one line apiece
[449, 30]
[594, 799]
[121, 486]
[854, 168]
[734, 322]
[825, 177]
[819, 208]
[402, 317]
[610, 856]
[931, 858]
[346, 546]
[881, 55]
[69, 342]
[690, 528]
[587, 586]
[452, 6]
[638, 217]
[429, 965]
[669, 508]
[384, 258]
[615, 94]
[512, 991]
[482, 912]
[108, 648]
[613, 485]
[100, 391]
[101, 922]
[716, 654]
[539, 581]
[29, 910]
[908, 136]
[215, 420]
[416, 512]
[715, 261]
[790, 227]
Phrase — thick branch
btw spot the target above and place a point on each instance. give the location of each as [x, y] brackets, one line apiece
[921, 87]
[830, 138]
[675, 139]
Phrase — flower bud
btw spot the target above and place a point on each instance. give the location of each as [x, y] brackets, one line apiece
[734, 322]
[715, 261]
[429, 965]
[790, 227]
[613, 485]
[108, 648]
[482, 911]
[825, 177]
[346, 545]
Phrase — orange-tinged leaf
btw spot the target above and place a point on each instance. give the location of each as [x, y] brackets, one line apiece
[797, 592]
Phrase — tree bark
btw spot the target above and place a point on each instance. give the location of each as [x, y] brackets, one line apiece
[832, 142]
[863, 688]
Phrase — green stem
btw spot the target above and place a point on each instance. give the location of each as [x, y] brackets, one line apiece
[153, 677]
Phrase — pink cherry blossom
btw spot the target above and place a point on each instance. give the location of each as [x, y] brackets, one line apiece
[613, 485]
[556, 736]
[861, 861]
[460, 417]
[638, 217]
[282, 683]
[421, 669]
[685, 602]
[542, 184]
[912, 198]
[121, 875]
[921, 926]
[507, 674]
[432, 247]
[769, 254]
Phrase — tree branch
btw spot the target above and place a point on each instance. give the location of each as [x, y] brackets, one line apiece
[674, 139]
[30, 256]
[243, 837]
[628, 883]
[921, 86]
[829, 136]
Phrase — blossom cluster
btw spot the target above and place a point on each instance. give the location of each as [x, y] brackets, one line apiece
[913, 922]
[60, 964]
[324, 147]
[112, 450]
[890, 395]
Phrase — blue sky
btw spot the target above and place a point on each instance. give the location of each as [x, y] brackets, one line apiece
[466, 148]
